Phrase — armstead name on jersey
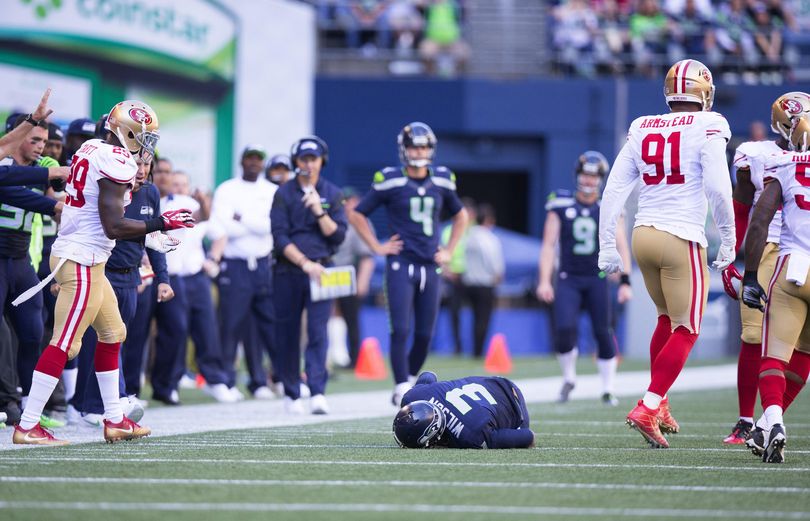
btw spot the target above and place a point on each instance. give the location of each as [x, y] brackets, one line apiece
[655, 122]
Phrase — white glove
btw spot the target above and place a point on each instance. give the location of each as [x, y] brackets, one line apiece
[610, 261]
[161, 242]
[725, 256]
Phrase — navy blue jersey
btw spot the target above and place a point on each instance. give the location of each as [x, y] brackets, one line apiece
[127, 253]
[579, 233]
[413, 207]
[478, 410]
[15, 225]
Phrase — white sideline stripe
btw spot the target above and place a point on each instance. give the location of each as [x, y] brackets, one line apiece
[221, 461]
[397, 483]
[398, 507]
[258, 414]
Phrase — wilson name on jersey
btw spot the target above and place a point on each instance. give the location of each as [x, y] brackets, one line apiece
[667, 150]
[754, 156]
[579, 233]
[792, 170]
[414, 207]
[81, 236]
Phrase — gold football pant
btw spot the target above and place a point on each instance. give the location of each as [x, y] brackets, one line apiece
[85, 298]
[785, 326]
[752, 317]
[675, 275]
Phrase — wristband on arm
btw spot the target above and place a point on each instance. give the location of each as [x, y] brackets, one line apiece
[155, 225]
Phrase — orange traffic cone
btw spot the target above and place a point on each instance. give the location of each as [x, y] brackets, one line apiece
[498, 360]
[370, 364]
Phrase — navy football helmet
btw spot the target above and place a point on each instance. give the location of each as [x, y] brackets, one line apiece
[416, 134]
[591, 163]
[419, 425]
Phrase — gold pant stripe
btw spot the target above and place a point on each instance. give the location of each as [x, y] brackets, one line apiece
[77, 310]
[780, 263]
[698, 283]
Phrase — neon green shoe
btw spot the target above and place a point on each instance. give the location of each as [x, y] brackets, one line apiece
[50, 423]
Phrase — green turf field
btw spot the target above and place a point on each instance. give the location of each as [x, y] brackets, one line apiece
[588, 465]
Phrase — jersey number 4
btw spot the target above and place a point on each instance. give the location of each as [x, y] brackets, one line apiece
[652, 152]
[76, 180]
[422, 212]
[475, 392]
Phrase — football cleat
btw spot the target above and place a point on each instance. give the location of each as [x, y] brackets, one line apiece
[756, 441]
[665, 419]
[399, 392]
[293, 407]
[318, 404]
[50, 423]
[739, 433]
[124, 430]
[565, 392]
[609, 399]
[646, 422]
[775, 448]
[36, 435]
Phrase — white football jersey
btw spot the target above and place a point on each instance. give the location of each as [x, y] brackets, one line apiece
[792, 169]
[668, 152]
[81, 237]
[188, 257]
[754, 155]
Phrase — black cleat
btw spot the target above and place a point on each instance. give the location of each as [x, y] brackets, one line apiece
[739, 433]
[775, 448]
[610, 400]
[565, 392]
[756, 441]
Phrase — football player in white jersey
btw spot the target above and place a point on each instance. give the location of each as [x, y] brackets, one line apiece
[750, 161]
[785, 327]
[678, 160]
[102, 174]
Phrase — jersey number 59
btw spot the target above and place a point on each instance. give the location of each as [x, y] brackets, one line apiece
[76, 180]
[652, 153]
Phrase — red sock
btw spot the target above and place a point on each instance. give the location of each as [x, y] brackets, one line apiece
[795, 376]
[663, 330]
[670, 361]
[106, 358]
[748, 377]
[771, 382]
[52, 361]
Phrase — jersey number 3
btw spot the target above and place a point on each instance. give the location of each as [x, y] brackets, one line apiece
[656, 157]
[475, 392]
[76, 180]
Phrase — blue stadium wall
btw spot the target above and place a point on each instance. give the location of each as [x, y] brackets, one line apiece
[534, 126]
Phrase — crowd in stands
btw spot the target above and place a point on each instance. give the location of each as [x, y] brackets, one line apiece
[428, 30]
[744, 40]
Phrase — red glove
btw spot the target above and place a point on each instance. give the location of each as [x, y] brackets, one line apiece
[729, 274]
[174, 219]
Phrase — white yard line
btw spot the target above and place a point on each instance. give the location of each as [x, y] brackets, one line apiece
[123, 459]
[396, 483]
[401, 507]
[252, 414]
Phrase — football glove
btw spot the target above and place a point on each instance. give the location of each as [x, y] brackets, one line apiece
[752, 293]
[161, 242]
[729, 274]
[610, 261]
[725, 256]
[175, 219]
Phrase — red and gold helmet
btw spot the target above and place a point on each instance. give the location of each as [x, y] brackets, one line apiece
[785, 109]
[799, 136]
[135, 125]
[690, 80]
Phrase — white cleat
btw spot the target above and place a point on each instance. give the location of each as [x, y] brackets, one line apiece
[73, 416]
[94, 420]
[304, 391]
[236, 393]
[318, 404]
[293, 407]
[186, 382]
[399, 392]
[132, 408]
[263, 393]
[220, 393]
